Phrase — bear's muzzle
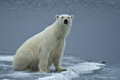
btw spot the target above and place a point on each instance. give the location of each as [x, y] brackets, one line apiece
[65, 21]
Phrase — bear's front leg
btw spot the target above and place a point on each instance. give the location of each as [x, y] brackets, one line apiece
[57, 60]
[57, 63]
[43, 61]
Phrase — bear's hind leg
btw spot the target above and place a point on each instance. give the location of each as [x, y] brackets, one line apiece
[23, 62]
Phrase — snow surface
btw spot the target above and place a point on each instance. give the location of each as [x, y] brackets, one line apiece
[75, 67]
[6, 58]
[74, 71]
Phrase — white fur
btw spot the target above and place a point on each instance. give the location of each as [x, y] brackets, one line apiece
[45, 48]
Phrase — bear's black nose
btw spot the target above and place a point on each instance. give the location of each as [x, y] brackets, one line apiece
[65, 21]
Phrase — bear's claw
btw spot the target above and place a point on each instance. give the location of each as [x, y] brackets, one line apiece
[61, 69]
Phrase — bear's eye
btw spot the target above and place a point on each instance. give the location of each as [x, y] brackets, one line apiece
[68, 17]
[62, 17]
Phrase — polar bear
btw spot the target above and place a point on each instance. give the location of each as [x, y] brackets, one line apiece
[45, 48]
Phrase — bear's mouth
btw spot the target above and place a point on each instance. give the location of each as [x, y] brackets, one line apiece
[65, 21]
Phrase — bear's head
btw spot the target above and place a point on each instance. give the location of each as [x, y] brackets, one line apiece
[64, 19]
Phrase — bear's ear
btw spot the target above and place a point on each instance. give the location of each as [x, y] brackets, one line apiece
[72, 16]
[57, 16]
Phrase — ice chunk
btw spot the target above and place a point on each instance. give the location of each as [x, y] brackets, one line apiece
[6, 57]
[74, 71]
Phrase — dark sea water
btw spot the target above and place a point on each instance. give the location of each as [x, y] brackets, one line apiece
[94, 37]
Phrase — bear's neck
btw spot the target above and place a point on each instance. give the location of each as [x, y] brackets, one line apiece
[60, 31]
